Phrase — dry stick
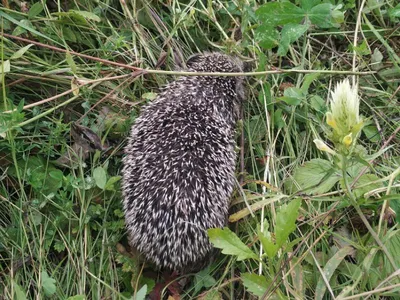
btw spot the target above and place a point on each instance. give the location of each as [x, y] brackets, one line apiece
[108, 62]
[104, 61]
[384, 289]
[358, 25]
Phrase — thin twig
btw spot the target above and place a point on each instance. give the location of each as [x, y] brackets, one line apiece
[180, 73]
[104, 61]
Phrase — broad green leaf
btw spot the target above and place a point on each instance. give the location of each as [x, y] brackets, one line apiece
[278, 119]
[269, 247]
[362, 49]
[367, 181]
[5, 66]
[230, 244]
[308, 79]
[21, 52]
[316, 176]
[87, 15]
[394, 12]
[280, 13]
[337, 16]
[372, 133]
[35, 9]
[292, 96]
[48, 284]
[18, 291]
[110, 183]
[141, 294]
[267, 36]
[320, 15]
[308, 4]
[100, 177]
[294, 92]
[255, 284]
[318, 103]
[286, 220]
[290, 33]
[78, 16]
[329, 269]
[203, 279]
[290, 100]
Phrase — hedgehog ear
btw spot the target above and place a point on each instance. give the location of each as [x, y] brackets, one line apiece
[193, 59]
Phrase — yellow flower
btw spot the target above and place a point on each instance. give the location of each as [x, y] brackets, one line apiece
[330, 120]
[347, 140]
[323, 147]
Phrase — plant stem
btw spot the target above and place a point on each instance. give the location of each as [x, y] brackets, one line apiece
[353, 202]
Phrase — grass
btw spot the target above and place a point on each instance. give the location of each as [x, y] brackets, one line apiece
[64, 119]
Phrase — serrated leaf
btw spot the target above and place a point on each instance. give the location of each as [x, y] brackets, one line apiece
[255, 284]
[141, 294]
[286, 220]
[267, 36]
[21, 52]
[59, 246]
[280, 13]
[329, 270]
[100, 177]
[35, 9]
[316, 176]
[290, 33]
[48, 284]
[230, 244]
[269, 247]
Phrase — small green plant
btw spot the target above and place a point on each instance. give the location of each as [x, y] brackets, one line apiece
[294, 21]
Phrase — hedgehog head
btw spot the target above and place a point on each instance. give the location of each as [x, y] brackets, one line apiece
[218, 62]
[214, 62]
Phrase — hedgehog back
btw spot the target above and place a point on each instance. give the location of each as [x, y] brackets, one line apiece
[179, 171]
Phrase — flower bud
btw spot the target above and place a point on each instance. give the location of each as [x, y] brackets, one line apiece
[323, 147]
[347, 140]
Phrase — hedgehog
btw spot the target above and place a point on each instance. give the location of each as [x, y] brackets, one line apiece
[179, 164]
